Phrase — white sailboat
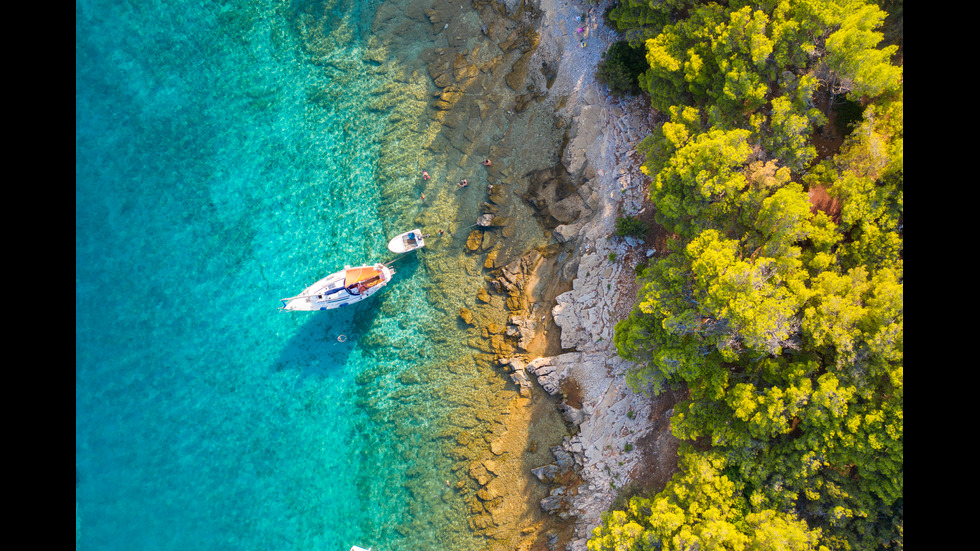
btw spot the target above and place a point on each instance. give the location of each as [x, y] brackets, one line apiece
[340, 289]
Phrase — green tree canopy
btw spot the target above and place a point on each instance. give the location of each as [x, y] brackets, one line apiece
[785, 323]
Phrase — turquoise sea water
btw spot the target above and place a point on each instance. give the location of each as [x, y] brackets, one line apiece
[225, 159]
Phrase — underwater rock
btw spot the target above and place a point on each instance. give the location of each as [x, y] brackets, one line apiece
[546, 473]
[568, 209]
[491, 262]
[497, 195]
[440, 69]
[435, 16]
[522, 38]
[480, 474]
[523, 101]
[498, 221]
[442, 79]
[499, 346]
[466, 315]
[491, 466]
[517, 77]
[517, 303]
[482, 295]
[475, 240]
[481, 522]
[463, 70]
[448, 97]
[511, 275]
[497, 447]
[484, 220]
[489, 239]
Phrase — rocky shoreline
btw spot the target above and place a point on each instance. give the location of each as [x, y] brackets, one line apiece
[622, 438]
[546, 316]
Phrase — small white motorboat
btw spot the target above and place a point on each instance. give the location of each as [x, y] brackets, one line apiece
[408, 241]
[341, 289]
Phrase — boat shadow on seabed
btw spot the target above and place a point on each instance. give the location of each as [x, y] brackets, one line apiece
[321, 346]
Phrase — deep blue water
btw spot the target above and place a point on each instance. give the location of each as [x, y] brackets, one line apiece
[208, 184]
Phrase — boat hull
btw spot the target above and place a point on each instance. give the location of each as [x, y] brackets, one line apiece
[340, 289]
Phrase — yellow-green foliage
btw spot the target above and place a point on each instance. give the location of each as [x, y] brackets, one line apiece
[786, 325]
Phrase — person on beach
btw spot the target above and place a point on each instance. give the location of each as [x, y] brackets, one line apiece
[425, 175]
[440, 233]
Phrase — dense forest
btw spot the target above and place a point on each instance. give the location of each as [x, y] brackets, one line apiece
[779, 304]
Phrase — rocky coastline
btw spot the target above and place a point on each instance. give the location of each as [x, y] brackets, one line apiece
[545, 317]
[563, 300]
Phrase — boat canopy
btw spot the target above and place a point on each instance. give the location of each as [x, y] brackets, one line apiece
[367, 276]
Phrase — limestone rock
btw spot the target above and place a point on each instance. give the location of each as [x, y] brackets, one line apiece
[513, 364]
[563, 459]
[521, 380]
[546, 372]
[546, 473]
[522, 328]
[554, 502]
[587, 313]
[573, 415]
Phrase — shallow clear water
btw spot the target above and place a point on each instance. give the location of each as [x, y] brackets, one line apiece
[227, 156]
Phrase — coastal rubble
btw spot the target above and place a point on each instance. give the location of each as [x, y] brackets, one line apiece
[611, 419]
